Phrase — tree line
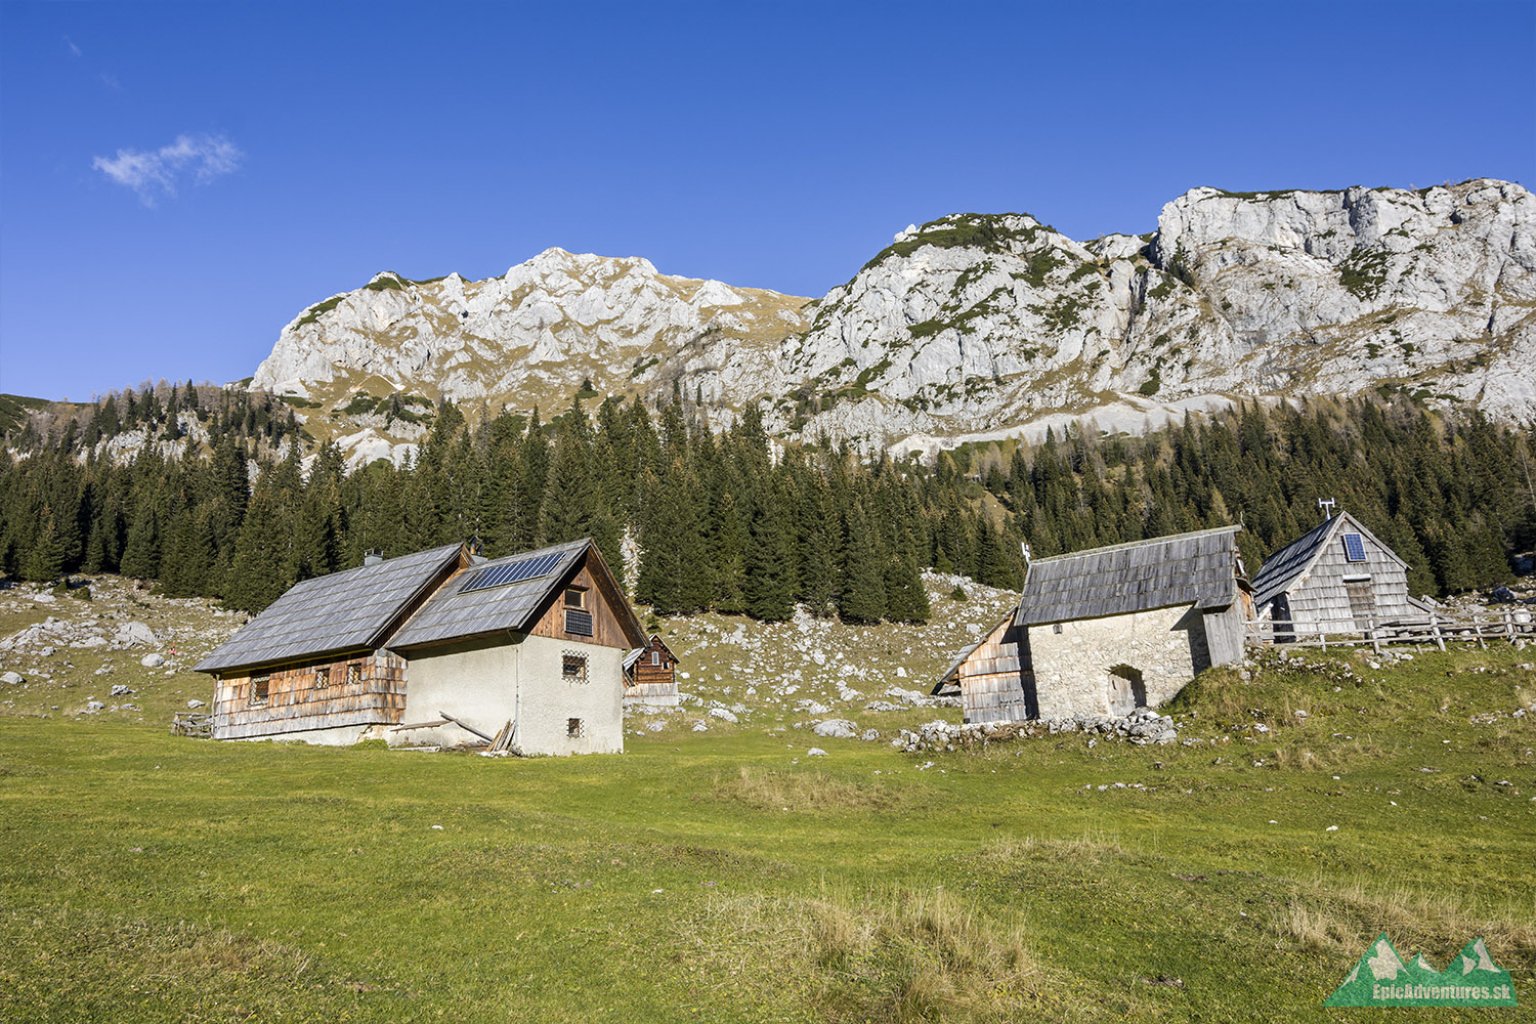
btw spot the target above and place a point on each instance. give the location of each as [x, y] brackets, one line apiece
[232, 503]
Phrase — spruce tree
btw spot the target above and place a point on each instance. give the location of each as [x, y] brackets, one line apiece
[862, 598]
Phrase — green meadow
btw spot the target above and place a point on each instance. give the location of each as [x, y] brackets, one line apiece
[726, 876]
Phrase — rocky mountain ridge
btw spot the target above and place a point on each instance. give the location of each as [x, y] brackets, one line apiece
[976, 326]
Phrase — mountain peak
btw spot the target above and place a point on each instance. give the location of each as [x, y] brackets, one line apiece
[972, 326]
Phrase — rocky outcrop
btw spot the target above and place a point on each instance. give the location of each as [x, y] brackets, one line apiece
[977, 326]
[972, 323]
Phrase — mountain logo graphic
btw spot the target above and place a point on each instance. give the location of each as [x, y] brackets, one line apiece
[1382, 978]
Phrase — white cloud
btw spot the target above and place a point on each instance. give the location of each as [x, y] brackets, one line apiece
[73, 49]
[152, 173]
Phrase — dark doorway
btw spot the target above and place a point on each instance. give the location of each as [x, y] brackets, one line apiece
[1127, 691]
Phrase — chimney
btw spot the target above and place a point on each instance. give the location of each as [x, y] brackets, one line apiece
[373, 557]
[1024, 546]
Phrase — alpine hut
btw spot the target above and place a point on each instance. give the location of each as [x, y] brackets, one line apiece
[650, 675]
[1335, 578]
[449, 649]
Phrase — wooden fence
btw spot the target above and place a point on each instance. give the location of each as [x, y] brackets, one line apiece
[1512, 626]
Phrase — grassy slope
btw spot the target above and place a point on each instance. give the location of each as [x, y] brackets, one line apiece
[148, 878]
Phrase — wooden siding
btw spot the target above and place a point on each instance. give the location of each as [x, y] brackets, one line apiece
[991, 679]
[1320, 598]
[607, 631]
[664, 674]
[294, 703]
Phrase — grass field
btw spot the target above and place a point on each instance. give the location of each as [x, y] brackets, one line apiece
[725, 876]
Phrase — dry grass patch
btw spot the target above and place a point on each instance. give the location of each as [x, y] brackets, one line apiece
[774, 790]
[1088, 848]
[1343, 919]
[896, 956]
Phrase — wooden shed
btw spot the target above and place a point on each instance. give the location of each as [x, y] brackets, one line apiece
[1336, 578]
[650, 675]
[988, 678]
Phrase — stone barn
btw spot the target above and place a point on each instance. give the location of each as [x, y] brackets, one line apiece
[988, 678]
[449, 649]
[1105, 631]
[650, 675]
[1336, 578]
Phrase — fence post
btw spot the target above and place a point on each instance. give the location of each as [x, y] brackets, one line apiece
[1509, 625]
[1375, 640]
[1477, 630]
[1322, 637]
[1434, 625]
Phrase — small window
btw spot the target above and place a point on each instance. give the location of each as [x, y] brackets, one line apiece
[1354, 548]
[573, 667]
[260, 687]
[574, 728]
[1056, 627]
[322, 677]
[354, 673]
[575, 597]
[655, 657]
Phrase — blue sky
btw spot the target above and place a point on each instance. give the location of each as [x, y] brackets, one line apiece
[178, 180]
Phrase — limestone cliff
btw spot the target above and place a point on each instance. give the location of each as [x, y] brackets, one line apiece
[975, 325]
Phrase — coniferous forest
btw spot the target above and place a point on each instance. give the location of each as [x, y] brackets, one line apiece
[244, 505]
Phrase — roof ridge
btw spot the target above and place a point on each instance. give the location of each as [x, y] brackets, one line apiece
[563, 545]
[336, 573]
[1235, 528]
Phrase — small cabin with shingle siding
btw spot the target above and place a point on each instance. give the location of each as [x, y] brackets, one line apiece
[988, 678]
[529, 646]
[1336, 578]
[650, 675]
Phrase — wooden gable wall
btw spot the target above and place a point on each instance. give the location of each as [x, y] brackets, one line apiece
[607, 629]
[663, 673]
[1322, 599]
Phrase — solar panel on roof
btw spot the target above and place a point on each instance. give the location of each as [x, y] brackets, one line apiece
[1354, 548]
[511, 572]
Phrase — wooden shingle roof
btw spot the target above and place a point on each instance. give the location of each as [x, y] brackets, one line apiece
[341, 612]
[1189, 568]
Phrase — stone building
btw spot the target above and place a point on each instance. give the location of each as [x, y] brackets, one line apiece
[437, 648]
[1335, 578]
[1112, 629]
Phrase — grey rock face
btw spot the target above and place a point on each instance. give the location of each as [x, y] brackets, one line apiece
[979, 326]
[12, 678]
